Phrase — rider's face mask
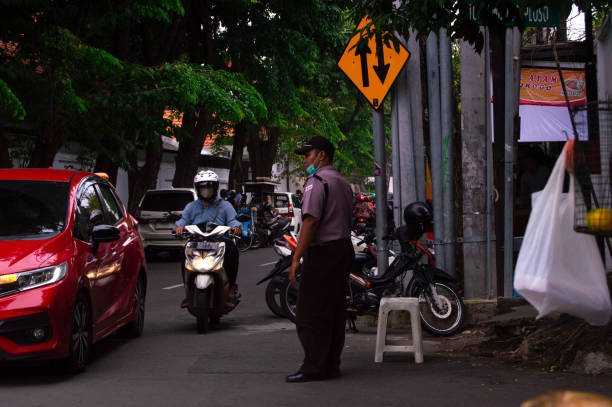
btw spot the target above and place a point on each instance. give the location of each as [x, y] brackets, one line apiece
[207, 192]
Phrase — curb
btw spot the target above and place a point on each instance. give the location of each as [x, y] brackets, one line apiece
[479, 313]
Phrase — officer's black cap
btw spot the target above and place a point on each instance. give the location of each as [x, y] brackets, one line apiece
[318, 142]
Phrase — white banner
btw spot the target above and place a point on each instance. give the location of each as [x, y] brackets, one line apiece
[548, 123]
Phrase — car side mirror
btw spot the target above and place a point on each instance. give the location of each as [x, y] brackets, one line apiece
[104, 233]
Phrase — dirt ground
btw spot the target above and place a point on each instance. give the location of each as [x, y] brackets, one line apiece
[561, 343]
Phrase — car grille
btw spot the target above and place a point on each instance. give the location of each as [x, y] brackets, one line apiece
[9, 289]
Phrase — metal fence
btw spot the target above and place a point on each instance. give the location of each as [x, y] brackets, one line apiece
[591, 164]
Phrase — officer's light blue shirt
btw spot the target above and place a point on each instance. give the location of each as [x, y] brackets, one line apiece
[196, 212]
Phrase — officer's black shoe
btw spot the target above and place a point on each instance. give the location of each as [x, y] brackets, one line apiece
[184, 303]
[300, 377]
[334, 374]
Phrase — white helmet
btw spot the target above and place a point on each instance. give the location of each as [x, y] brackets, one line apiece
[203, 176]
[204, 179]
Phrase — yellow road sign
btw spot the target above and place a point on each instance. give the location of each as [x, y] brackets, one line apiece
[372, 69]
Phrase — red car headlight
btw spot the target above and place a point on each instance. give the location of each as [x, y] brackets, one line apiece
[27, 280]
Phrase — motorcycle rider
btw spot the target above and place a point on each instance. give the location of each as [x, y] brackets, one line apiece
[210, 208]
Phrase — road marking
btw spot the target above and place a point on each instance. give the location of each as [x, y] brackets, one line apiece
[267, 264]
[172, 286]
[271, 327]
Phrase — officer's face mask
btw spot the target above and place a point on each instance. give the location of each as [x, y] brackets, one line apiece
[312, 169]
[207, 192]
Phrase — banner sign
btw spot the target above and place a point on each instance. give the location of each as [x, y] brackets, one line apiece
[542, 86]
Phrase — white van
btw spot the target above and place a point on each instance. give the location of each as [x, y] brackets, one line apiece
[289, 205]
[159, 209]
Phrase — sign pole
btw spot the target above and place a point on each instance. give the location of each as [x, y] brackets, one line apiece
[380, 186]
[372, 67]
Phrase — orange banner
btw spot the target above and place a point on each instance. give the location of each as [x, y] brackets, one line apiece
[542, 86]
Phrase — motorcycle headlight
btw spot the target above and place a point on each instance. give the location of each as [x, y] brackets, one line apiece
[203, 261]
[28, 280]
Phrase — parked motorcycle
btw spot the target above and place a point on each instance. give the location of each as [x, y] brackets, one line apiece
[269, 229]
[206, 281]
[279, 274]
[441, 309]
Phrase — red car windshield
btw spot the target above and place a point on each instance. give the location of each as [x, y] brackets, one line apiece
[32, 209]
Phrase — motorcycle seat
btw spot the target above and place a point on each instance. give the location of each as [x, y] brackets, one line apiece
[283, 221]
[268, 220]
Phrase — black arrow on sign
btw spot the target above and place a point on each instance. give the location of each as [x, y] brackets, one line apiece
[363, 51]
[381, 69]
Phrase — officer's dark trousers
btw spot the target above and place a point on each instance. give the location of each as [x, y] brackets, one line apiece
[321, 308]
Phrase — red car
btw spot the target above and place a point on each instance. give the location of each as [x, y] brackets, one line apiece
[72, 266]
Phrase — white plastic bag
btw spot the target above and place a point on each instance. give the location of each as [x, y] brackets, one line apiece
[559, 269]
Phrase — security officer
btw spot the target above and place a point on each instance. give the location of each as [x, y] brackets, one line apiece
[324, 245]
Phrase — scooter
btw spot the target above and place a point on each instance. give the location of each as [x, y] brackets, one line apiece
[269, 229]
[206, 282]
[279, 275]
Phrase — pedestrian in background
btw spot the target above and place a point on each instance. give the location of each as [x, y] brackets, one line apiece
[324, 245]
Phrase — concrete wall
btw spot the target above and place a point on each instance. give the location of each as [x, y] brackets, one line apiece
[68, 158]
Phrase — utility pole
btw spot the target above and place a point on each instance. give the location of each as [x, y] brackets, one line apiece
[448, 152]
[435, 141]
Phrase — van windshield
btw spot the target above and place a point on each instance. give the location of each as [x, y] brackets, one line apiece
[32, 210]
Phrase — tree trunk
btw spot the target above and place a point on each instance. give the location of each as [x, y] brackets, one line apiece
[142, 178]
[5, 158]
[262, 151]
[190, 148]
[48, 144]
[105, 164]
[236, 172]
[201, 50]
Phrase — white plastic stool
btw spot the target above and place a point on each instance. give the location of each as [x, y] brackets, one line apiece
[410, 304]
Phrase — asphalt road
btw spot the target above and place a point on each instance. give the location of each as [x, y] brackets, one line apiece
[244, 361]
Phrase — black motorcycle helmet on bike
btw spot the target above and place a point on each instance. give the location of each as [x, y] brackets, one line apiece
[417, 216]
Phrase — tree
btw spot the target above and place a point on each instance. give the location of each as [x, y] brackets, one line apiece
[72, 86]
[288, 51]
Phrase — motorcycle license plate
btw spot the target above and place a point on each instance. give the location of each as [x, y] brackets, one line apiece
[208, 246]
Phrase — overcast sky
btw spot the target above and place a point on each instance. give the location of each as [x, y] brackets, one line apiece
[575, 25]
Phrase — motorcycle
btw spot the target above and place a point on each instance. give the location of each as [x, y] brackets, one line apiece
[269, 229]
[206, 281]
[279, 275]
[441, 309]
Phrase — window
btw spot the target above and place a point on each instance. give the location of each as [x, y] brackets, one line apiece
[114, 212]
[32, 209]
[282, 201]
[88, 214]
[166, 201]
